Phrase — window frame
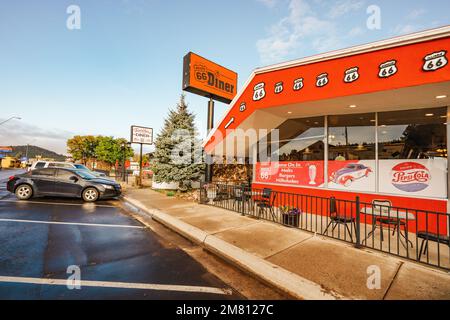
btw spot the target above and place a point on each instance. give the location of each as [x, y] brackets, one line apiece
[376, 159]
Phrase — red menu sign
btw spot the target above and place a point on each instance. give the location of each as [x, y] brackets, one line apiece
[299, 173]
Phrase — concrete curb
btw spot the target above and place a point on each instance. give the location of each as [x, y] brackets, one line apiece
[282, 279]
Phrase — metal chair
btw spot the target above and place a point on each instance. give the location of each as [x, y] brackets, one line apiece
[266, 202]
[239, 196]
[387, 217]
[337, 219]
[221, 193]
[427, 236]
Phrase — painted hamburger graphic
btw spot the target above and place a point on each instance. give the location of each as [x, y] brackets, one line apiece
[410, 177]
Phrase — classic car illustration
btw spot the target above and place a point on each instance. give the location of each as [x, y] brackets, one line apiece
[350, 173]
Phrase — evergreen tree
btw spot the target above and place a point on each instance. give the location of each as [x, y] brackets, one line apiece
[178, 154]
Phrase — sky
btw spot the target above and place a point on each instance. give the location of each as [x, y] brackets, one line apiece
[123, 66]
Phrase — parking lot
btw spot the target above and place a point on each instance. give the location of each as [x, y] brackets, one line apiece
[118, 258]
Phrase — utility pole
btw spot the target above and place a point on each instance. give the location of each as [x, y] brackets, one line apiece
[123, 161]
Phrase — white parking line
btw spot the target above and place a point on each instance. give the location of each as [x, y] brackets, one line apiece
[61, 203]
[121, 285]
[74, 223]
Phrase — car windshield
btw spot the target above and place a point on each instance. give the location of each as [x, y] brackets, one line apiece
[85, 175]
[81, 167]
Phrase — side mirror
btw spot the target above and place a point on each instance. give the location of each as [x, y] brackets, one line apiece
[73, 178]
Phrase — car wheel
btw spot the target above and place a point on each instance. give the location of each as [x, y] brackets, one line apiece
[348, 182]
[90, 195]
[24, 192]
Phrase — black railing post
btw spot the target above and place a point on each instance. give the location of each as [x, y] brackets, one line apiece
[358, 223]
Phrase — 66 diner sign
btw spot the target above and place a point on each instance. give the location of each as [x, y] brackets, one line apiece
[141, 135]
[426, 177]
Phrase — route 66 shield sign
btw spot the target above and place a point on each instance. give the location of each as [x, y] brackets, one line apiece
[258, 92]
[242, 107]
[388, 69]
[322, 80]
[298, 84]
[435, 61]
[351, 75]
[279, 87]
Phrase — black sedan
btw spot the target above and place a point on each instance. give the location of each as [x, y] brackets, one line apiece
[62, 182]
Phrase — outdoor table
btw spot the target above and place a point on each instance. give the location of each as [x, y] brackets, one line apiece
[393, 214]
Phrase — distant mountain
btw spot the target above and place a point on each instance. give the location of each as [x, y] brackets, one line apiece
[33, 151]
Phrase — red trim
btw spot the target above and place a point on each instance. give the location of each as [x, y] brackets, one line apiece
[410, 60]
[397, 201]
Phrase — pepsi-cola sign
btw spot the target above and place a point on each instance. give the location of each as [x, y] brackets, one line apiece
[410, 177]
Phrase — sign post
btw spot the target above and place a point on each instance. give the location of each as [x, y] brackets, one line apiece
[141, 136]
[209, 167]
[208, 79]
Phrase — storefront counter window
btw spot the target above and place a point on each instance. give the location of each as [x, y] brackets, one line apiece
[351, 152]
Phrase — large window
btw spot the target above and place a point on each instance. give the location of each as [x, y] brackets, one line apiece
[302, 140]
[351, 137]
[412, 152]
[412, 134]
[300, 151]
[400, 152]
[351, 152]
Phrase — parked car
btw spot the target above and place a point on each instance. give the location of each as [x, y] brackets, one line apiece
[55, 164]
[62, 182]
[350, 173]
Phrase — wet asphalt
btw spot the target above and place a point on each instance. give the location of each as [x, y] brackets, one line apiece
[124, 254]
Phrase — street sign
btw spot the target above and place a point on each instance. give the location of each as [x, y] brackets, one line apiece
[208, 79]
[141, 135]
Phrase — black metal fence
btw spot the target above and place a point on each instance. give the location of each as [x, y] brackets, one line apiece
[413, 234]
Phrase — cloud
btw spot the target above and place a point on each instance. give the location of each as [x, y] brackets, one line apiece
[268, 3]
[355, 32]
[411, 24]
[285, 36]
[416, 13]
[402, 29]
[21, 133]
[343, 7]
[303, 27]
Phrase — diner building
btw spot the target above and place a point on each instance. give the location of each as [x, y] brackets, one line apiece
[368, 121]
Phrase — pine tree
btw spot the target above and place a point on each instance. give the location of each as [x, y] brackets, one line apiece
[178, 154]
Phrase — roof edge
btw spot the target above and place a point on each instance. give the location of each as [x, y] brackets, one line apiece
[421, 36]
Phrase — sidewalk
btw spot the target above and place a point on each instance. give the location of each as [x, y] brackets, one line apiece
[296, 262]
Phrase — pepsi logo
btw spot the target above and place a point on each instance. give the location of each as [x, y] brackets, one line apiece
[410, 177]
